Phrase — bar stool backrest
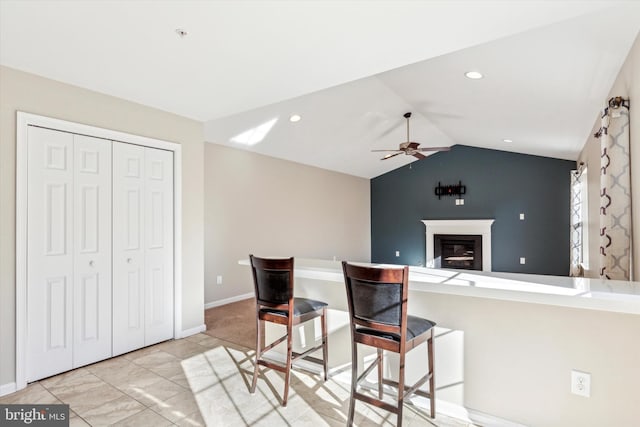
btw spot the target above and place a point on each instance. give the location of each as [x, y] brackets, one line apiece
[377, 296]
[273, 280]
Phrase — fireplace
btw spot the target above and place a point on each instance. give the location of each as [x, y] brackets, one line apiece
[458, 251]
[459, 228]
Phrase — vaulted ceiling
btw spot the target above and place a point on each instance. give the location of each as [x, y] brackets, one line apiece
[349, 68]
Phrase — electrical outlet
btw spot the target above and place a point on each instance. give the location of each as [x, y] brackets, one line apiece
[522, 260]
[219, 280]
[397, 253]
[581, 383]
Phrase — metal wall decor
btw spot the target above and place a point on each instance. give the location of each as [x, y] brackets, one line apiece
[450, 190]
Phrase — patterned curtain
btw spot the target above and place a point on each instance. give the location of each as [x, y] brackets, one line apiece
[577, 223]
[615, 192]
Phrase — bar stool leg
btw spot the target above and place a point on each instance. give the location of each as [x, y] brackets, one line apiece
[259, 341]
[354, 382]
[401, 389]
[380, 373]
[287, 374]
[432, 379]
[325, 352]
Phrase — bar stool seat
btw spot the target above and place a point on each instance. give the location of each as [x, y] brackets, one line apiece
[416, 326]
[300, 306]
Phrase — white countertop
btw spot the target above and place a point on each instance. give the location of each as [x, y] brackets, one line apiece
[594, 294]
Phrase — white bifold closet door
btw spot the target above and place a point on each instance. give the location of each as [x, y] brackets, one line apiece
[68, 251]
[142, 246]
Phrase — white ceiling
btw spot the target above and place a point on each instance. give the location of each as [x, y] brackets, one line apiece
[342, 66]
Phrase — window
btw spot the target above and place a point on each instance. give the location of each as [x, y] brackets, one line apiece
[579, 214]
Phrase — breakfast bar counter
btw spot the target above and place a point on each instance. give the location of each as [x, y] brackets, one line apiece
[575, 292]
[506, 343]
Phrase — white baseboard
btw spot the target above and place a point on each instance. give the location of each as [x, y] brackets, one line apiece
[188, 332]
[7, 388]
[443, 407]
[225, 301]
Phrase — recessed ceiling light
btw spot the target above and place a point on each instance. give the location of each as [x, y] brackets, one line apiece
[294, 118]
[507, 140]
[473, 75]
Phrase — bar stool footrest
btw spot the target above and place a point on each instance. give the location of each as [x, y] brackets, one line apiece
[376, 402]
[413, 389]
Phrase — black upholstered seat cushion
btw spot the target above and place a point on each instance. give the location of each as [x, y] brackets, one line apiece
[300, 306]
[415, 326]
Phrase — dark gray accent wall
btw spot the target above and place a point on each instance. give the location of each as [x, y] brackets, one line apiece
[499, 185]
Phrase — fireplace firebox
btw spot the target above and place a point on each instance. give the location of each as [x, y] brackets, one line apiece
[458, 251]
[464, 227]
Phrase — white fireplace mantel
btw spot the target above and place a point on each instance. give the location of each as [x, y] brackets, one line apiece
[460, 226]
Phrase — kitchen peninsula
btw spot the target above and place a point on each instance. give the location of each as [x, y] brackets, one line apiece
[506, 343]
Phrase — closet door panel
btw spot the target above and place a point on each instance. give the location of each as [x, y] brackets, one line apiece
[158, 245]
[92, 243]
[128, 247]
[50, 253]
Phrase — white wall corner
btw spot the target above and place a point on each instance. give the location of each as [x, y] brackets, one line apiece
[192, 331]
[7, 388]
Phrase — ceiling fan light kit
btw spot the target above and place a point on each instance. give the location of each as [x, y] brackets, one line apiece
[408, 147]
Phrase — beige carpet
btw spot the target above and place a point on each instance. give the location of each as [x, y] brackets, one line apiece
[235, 322]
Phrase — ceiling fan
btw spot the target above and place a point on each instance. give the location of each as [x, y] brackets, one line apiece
[410, 148]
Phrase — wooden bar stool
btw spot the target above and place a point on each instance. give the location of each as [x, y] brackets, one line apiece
[377, 300]
[273, 282]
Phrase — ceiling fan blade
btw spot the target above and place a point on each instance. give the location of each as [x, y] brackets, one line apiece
[419, 156]
[388, 156]
[434, 149]
[374, 151]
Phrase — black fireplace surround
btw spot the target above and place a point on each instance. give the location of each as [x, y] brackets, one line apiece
[458, 251]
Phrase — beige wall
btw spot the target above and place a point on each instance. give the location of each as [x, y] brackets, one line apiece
[271, 207]
[33, 94]
[519, 357]
[626, 85]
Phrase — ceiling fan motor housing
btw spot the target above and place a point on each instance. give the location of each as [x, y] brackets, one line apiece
[409, 146]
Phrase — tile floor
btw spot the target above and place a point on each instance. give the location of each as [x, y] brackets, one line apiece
[202, 380]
